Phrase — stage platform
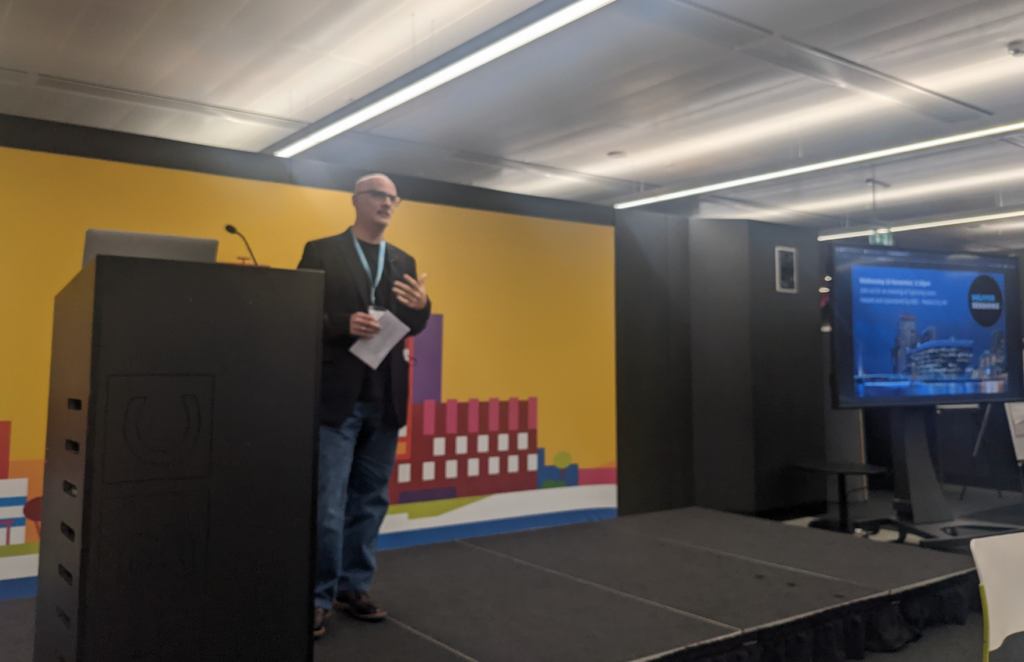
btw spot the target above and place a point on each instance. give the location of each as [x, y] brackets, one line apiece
[690, 584]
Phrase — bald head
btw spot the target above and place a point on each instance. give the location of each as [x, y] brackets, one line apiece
[375, 198]
[375, 181]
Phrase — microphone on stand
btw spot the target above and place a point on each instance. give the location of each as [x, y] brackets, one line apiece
[233, 230]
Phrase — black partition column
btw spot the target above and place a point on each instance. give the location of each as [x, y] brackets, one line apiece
[756, 368]
[719, 376]
[652, 332]
[178, 509]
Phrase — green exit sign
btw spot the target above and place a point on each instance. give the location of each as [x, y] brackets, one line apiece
[880, 239]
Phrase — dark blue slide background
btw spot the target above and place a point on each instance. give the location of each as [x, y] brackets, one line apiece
[875, 325]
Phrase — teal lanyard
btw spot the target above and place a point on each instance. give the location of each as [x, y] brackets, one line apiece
[366, 266]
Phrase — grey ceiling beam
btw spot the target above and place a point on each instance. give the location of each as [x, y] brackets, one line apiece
[69, 86]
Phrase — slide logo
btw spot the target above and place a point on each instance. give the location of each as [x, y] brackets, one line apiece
[986, 300]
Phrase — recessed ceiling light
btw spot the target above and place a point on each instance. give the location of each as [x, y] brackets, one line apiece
[955, 221]
[922, 226]
[846, 235]
[825, 165]
[503, 46]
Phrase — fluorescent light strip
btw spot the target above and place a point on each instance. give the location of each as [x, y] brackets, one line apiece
[921, 226]
[503, 46]
[955, 221]
[846, 235]
[825, 165]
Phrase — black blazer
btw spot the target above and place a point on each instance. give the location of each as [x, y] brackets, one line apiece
[347, 291]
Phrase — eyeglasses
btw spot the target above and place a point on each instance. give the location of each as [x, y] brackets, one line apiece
[381, 195]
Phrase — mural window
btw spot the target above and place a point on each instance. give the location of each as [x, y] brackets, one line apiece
[531, 462]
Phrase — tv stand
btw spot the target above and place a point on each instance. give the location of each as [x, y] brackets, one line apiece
[921, 507]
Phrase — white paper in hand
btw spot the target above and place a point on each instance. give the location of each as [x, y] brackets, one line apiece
[372, 351]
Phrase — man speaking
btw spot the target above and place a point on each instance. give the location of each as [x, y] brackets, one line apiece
[361, 408]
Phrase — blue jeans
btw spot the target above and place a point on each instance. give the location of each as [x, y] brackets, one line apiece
[355, 465]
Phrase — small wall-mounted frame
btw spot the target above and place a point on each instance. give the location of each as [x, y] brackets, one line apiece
[785, 270]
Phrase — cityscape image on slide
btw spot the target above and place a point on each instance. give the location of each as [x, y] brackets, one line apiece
[924, 332]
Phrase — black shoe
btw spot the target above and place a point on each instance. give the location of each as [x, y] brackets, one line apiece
[320, 622]
[359, 605]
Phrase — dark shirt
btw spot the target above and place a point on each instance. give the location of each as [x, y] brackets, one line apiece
[376, 383]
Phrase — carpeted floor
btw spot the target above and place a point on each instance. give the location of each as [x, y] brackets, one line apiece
[1008, 514]
[977, 503]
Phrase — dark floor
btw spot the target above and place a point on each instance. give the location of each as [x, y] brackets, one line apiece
[1003, 507]
[615, 591]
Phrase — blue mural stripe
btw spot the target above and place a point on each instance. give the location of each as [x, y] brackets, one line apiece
[12, 589]
[6, 502]
[17, 521]
[401, 539]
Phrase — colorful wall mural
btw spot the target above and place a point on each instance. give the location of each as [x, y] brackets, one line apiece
[524, 328]
[455, 454]
[19, 552]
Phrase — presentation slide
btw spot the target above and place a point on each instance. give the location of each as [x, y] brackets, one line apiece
[927, 332]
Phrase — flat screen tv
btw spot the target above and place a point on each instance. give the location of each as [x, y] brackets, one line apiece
[915, 328]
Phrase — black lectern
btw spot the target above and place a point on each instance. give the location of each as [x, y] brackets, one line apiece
[180, 483]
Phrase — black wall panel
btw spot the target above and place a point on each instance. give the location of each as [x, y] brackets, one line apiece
[786, 350]
[723, 425]
[655, 454]
[756, 368]
[719, 375]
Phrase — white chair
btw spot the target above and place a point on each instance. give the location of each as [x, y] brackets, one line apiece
[1000, 564]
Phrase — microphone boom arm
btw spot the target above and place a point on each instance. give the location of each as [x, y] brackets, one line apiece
[233, 230]
[251, 254]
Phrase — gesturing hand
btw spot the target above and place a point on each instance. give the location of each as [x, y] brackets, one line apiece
[412, 292]
[363, 325]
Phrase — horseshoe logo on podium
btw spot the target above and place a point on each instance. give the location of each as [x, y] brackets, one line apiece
[161, 433]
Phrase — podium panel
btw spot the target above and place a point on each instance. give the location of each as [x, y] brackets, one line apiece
[180, 482]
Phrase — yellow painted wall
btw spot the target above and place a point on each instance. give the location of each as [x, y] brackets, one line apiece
[528, 303]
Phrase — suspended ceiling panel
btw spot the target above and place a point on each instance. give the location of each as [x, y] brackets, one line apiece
[687, 108]
[985, 177]
[639, 95]
[232, 73]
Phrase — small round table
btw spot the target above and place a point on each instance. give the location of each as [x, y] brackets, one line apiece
[841, 470]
